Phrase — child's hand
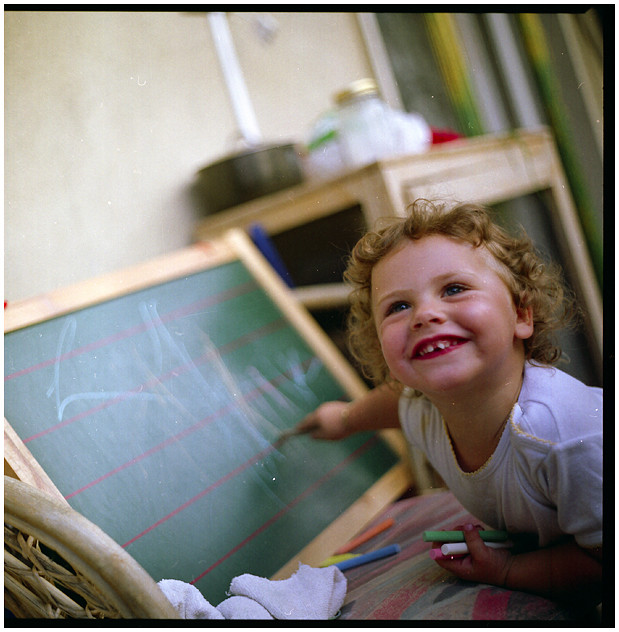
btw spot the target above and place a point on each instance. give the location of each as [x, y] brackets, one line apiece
[326, 422]
[482, 564]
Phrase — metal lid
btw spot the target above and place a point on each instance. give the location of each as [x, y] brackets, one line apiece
[361, 87]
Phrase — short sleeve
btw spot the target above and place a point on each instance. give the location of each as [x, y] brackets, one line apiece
[573, 474]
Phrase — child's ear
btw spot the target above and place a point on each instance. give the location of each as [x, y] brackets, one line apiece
[524, 323]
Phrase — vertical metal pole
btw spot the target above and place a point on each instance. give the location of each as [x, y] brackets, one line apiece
[379, 58]
[517, 84]
[233, 76]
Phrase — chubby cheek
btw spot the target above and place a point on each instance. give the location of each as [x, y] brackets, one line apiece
[393, 343]
[492, 325]
[475, 311]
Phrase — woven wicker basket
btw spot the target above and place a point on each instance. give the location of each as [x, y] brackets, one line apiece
[58, 564]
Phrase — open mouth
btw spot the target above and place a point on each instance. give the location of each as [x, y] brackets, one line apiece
[439, 346]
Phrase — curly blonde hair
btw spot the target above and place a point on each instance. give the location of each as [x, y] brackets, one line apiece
[531, 281]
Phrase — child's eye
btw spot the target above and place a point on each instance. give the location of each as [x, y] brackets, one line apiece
[396, 307]
[454, 288]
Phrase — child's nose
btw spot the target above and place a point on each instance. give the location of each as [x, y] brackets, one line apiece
[427, 313]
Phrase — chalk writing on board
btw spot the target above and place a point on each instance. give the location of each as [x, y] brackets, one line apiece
[256, 403]
[286, 364]
[67, 337]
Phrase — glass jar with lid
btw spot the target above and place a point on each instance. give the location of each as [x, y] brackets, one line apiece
[365, 125]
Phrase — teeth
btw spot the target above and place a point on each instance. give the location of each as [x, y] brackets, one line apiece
[443, 344]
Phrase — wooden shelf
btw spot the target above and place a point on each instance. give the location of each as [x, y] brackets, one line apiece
[323, 296]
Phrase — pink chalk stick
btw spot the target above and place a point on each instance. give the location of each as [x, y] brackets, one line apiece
[437, 554]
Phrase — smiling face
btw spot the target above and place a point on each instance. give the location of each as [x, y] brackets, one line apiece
[445, 319]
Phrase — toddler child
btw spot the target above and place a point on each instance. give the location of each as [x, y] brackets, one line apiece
[453, 318]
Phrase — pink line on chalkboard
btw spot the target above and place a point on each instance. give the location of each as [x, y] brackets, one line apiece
[257, 458]
[185, 433]
[141, 328]
[176, 372]
[310, 490]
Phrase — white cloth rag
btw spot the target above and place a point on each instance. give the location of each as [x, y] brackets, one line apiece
[188, 600]
[242, 608]
[310, 593]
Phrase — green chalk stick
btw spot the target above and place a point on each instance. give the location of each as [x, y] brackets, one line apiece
[458, 536]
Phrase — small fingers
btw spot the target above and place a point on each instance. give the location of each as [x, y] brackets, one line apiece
[308, 423]
[473, 540]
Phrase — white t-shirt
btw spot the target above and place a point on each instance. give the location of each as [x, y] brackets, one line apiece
[545, 475]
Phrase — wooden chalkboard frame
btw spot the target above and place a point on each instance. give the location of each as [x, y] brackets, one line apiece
[234, 245]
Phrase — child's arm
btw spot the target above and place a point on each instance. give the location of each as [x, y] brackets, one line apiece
[563, 572]
[336, 420]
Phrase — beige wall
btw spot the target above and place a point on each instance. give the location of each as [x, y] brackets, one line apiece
[108, 115]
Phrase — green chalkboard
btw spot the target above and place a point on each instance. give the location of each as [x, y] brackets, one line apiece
[154, 414]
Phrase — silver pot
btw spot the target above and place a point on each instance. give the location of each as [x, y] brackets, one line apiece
[247, 175]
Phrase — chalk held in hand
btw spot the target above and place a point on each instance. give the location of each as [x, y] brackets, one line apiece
[292, 432]
[461, 548]
[379, 554]
[458, 536]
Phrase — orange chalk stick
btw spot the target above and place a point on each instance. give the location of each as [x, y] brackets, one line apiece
[365, 536]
